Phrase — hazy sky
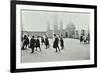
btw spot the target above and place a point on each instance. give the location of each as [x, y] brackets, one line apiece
[38, 20]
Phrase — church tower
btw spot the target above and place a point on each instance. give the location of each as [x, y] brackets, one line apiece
[48, 26]
[49, 31]
[61, 28]
[55, 23]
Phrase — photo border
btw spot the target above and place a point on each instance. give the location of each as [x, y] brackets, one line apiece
[13, 35]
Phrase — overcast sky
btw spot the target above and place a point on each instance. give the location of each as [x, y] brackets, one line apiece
[38, 20]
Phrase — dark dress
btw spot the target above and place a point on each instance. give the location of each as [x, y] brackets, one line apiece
[37, 43]
[88, 39]
[81, 38]
[26, 41]
[42, 40]
[55, 44]
[46, 41]
[32, 43]
[61, 42]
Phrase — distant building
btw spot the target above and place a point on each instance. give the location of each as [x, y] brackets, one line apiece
[49, 32]
[81, 32]
[68, 32]
[77, 35]
[36, 33]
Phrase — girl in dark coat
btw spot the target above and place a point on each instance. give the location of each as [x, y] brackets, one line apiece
[46, 42]
[61, 43]
[32, 43]
[38, 43]
[42, 40]
[56, 42]
[81, 39]
[88, 39]
[25, 42]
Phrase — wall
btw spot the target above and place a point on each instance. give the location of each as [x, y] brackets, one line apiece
[5, 36]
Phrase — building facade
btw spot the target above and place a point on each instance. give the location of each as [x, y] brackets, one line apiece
[68, 32]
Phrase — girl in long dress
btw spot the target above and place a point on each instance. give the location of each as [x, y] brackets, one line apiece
[61, 43]
[25, 42]
[55, 43]
[42, 40]
[32, 44]
[81, 38]
[38, 43]
[46, 42]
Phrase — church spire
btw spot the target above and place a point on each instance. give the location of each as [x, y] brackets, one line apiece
[55, 22]
[61, 25]
[48, 25]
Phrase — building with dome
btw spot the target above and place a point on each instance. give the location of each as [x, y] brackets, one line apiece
[68, 32]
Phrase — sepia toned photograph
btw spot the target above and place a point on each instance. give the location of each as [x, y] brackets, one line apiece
[48, 36]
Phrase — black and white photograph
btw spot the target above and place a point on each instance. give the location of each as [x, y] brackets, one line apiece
[51, 36]
[48, 36]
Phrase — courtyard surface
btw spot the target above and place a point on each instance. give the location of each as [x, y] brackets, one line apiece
[73, 50]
